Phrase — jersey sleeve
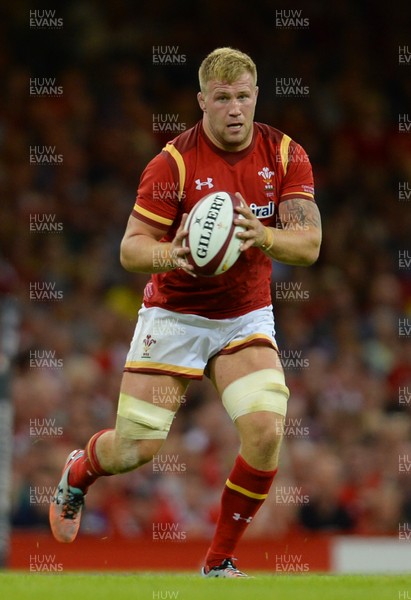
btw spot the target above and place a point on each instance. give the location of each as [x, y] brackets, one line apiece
[298, 181]
[157, 195]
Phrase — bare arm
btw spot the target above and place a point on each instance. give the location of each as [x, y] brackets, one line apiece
[141, 251]
[298, 243]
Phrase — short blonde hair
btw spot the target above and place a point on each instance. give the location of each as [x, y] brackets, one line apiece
[225, 64]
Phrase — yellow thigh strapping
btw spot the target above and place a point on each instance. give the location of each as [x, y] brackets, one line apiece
[137, 419]
[262, 390]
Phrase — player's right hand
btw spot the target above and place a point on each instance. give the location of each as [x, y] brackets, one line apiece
[178, 251]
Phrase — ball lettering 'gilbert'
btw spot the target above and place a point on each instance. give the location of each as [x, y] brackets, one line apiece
[214, 247]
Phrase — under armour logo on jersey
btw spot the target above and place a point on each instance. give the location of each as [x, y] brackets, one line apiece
[238, 517]
[200, 184]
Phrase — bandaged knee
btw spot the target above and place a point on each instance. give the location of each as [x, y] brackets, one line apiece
[139, 420]
[258, 391]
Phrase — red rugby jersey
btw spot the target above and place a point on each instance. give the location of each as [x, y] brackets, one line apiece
[272, 169]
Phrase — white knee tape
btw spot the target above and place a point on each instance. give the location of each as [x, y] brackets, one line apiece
[139, 420]
[261, 390]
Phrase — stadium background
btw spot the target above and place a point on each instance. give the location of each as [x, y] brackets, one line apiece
[337, 323]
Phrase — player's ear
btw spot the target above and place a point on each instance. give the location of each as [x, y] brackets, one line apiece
[257, 89]
[201, 101]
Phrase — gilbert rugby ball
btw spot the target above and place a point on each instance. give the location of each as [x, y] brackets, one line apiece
[214, 247]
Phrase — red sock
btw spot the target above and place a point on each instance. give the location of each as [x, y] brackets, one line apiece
[87, 469]
[244, 492]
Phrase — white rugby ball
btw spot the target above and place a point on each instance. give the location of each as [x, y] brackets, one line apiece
[214, 247]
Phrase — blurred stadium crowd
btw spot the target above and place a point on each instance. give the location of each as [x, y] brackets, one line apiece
[349, 424]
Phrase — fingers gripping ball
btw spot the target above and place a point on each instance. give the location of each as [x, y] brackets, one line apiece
[212, 241]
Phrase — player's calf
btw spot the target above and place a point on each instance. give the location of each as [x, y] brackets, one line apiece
[124, 455]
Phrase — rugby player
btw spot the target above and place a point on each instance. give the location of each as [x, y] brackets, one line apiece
[227, 321]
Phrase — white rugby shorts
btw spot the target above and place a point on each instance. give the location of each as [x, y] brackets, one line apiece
[181, 345]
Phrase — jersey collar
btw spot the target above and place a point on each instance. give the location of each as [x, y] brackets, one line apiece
[231, 157]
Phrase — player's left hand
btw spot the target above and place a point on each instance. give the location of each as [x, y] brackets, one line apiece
[254, 234]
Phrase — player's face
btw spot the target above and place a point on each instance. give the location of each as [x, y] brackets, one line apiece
[229, 112]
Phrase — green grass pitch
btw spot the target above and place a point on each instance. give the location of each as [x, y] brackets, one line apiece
[150, 586]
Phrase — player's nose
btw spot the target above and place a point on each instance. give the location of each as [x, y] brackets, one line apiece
[234, 108]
